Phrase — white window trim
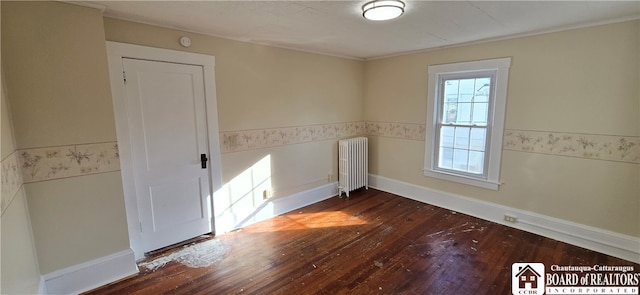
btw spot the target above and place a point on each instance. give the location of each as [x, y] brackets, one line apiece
[501, 66]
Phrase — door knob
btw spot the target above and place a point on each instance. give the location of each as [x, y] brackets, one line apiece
[203, 160]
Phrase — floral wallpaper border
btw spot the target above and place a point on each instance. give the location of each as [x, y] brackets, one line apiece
[409, 131]
[243, 140]
[11, 180]
[40, 164]
[235, 141]
[590, 146]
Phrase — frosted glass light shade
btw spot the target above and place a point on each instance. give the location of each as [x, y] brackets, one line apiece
[383, 9]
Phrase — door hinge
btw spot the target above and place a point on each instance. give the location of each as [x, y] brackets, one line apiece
[124, 77]
[140, 223]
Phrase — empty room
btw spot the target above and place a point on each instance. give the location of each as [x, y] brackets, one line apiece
[320, 147]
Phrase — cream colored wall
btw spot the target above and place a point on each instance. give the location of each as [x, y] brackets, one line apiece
[19, 266]
[19, 272]
[55, 65]
[77, 219]
[263, 88]
[581, 83]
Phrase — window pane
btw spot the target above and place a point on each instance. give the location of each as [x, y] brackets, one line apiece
[446, 136]
[446, 158]
[451, 91]
[480, 113]
[483, 87]
[460, 159]
[464, 113]
[450, 113]
[477, 139]
[476, 162]
[466, 90]
[462, 137]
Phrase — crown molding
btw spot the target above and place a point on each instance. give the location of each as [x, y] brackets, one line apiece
[99, 7]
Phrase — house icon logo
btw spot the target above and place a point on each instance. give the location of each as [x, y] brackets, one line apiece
[527, 278]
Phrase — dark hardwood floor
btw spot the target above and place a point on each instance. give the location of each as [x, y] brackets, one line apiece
[372, 243]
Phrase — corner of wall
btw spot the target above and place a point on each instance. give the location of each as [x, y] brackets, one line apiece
[20, 270]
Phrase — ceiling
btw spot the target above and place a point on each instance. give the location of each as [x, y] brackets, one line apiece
[338, 28]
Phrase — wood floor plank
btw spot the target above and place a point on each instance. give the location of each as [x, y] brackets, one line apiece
[371, 243]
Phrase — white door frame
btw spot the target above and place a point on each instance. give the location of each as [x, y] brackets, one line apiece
[116, 52]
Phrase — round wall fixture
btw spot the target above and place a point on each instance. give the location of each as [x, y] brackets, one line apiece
[185, 41]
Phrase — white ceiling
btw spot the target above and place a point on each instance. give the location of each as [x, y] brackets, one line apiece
[338, 28]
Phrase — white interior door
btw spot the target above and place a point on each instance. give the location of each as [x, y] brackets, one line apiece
[168, 133]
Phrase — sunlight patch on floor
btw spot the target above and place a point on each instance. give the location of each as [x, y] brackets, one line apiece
[306, 221]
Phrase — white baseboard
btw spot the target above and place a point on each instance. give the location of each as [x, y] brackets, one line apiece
[230, 221]
[305, 198]
[596, 239]
[91, 274]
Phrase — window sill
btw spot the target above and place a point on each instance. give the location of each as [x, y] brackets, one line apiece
[487, 184]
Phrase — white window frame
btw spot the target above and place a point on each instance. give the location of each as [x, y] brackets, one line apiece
[490, 179]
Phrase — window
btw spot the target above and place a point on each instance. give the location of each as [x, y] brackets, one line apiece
[466, 105]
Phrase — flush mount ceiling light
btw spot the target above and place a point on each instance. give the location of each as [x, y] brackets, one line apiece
[382, 9]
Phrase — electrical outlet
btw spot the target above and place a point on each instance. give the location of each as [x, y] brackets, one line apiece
[329, 177]
[266, 194]
[510, 218]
